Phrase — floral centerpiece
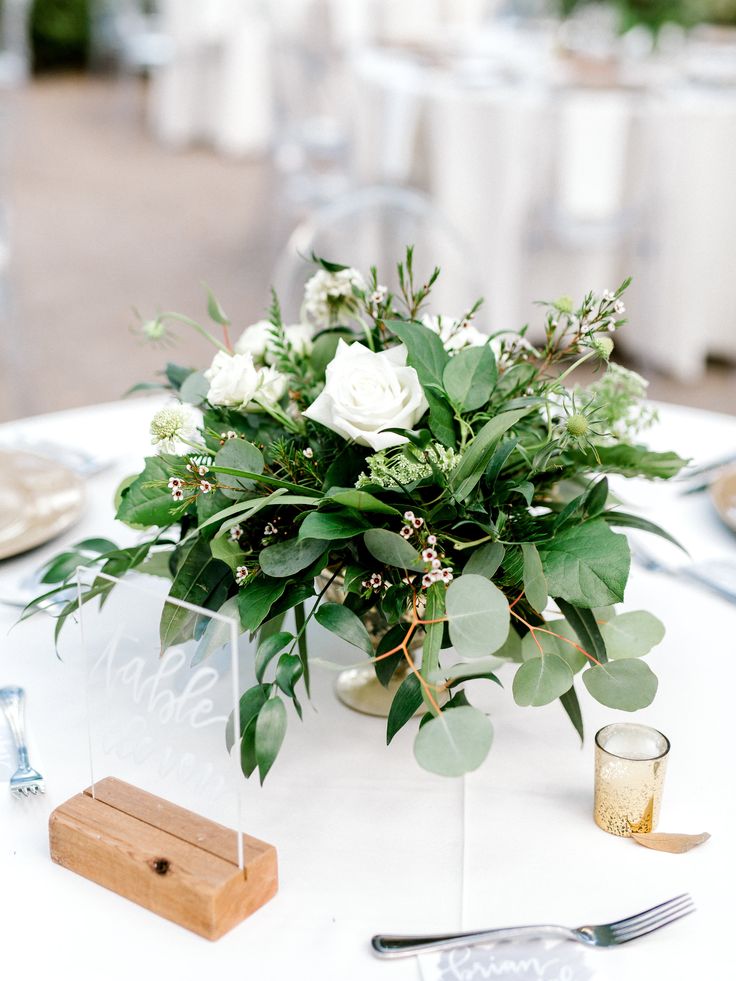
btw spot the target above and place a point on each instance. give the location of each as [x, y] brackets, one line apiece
[453, 483]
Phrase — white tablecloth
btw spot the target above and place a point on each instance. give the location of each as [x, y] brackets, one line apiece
[367, 841]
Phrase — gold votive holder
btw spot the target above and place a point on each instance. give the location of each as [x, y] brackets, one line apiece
[630, 763]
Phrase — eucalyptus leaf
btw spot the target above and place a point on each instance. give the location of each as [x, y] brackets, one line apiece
[392, 549]
[455, 742]
[632, 634]
[535, 584]
[250, 705]
[195, 388]
[256, 600]
[291, 556]
[571, 705]
[359, 499]
[554, 642]
[435, 609]
[586, 627]
[628, 684]
[478, 616]
[239, 454]
[485, 561]
[333, 525]
[268, 648]
[147, 501]
[338, 619]
[541, 680]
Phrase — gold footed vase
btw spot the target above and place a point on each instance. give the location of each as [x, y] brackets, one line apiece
[358, 687]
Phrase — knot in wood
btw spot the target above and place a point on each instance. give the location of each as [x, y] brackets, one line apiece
[160, 866]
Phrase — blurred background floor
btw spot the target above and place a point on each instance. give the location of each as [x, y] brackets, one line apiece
[105, 219]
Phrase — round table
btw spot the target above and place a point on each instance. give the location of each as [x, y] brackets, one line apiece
[367, 841]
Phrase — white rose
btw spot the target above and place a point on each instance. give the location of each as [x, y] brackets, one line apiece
[366, 393]
[257, 341]
[455, 335]
[236, 382]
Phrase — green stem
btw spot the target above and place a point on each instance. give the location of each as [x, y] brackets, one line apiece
[171, 315]
[264, 479]
[575, 365]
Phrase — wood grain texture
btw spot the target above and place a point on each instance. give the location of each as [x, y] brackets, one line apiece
[163, 857]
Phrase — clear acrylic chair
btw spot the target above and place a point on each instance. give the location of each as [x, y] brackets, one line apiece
[373, 226]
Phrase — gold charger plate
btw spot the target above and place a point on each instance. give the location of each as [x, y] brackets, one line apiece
[723, 495]
[39, 499]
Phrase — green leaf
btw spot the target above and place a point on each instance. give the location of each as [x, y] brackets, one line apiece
[441, 419]
[340, 620]
[359, 499]
[485, 561]
[250, 705]
[270, 732]
[510, 650]
[571, 705]
[455, 742]
[239, 454]
[287, 558]
[629, 460]
[324, 348]
[217, 633]
[147, 502]
[332, 525]
[621, 519]
[256, 599]
[477, 455]
[195, 388]
[392, 549]
[469, 377]
[288, 672]
[583, 622]
[628, 684]
[215, 311]
[405, 703]
[228, 552]
[541, 680]
[248, 761]
[554, 643]
[386, 666]
[478, 616]
[268, 648]
[587, 565]
[632, 634]
[535, 584]
[426, 353]
[208, 506]
[595, 498]
[196, 578]
[435, 609]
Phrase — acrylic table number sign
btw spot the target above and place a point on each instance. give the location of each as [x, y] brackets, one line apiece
[161, 820]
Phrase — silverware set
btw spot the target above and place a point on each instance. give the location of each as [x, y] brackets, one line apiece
[25, 781]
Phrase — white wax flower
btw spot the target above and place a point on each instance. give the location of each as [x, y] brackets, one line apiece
[236, 382]
[454, 334]
[257, 340]
[365, 393]
[326, 293]
[171, 427]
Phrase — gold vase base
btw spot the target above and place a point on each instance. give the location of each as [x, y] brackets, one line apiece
[361, 691]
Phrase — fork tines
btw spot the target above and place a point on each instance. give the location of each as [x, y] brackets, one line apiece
[652, 919]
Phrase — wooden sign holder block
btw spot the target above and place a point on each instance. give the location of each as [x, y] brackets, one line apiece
[170, 860]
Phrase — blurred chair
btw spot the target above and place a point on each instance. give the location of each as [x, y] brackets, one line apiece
[15, 49]
[373, 226]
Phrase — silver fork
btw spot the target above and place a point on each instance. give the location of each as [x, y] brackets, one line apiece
[602, 935]
[25, 781]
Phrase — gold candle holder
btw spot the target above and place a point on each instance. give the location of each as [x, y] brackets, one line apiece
[630, 763]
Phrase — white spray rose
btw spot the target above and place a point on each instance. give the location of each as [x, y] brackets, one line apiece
[236, 382]
[328, 293]
[257, 341]
[366, 393]
[455, 335]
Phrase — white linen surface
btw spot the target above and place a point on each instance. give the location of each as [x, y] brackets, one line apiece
[367, 841]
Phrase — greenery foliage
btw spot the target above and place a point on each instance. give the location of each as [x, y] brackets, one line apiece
[485, 527]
